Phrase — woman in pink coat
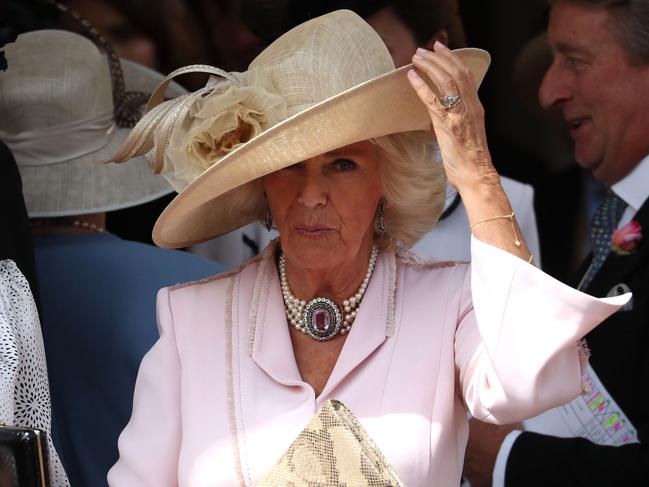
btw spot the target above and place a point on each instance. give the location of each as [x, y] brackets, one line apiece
[324, 140]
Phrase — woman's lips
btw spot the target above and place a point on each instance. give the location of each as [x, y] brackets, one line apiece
[313, 231]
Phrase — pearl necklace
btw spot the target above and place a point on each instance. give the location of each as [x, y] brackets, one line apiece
[82, 225]
[321, 318]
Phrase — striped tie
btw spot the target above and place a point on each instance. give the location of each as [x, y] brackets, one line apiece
[604, 223]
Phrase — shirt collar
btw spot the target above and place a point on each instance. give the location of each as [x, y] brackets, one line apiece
[634, 187]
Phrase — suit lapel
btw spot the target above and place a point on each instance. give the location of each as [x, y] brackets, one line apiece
[616, 268]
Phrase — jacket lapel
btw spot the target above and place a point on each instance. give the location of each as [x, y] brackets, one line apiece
[616, 268]
[374, 323]
[269, 338]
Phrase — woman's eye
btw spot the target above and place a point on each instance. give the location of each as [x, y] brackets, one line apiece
[344, 165]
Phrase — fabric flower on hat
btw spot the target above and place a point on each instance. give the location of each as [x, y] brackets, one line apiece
[214, 124]
[626, 239]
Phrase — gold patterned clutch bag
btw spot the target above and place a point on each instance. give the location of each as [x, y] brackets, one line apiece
[333, 450]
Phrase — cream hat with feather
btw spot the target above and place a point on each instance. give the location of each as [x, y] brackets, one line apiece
[327, 83]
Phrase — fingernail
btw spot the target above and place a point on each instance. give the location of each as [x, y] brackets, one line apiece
[413, 74]
[439, 45]
[420, 51]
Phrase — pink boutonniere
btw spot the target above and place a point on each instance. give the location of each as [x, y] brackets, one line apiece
[626, 239]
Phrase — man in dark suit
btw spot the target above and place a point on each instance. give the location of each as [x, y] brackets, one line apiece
[599, 81]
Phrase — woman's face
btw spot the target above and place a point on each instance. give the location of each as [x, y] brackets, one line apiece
[324, 208]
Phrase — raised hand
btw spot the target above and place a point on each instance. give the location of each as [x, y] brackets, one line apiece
[456, 114]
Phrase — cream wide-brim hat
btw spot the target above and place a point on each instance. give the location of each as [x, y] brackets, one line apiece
[340, 87]
[58, 76]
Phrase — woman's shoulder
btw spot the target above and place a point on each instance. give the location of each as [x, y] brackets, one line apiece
[414, 261]
[425, 278]
[200, 301]
[246, 271]
[218, 280]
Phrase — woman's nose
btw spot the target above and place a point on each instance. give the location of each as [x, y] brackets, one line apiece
[314, 191]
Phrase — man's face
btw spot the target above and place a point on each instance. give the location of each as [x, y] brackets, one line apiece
[602, 95]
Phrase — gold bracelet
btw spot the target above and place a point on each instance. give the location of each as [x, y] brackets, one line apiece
[510, 217]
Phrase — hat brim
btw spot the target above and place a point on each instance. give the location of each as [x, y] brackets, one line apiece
[83, 185]
[381, 106]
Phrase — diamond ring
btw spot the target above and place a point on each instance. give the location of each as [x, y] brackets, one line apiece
[450, 101]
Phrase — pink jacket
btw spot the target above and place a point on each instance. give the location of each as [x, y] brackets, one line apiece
[219, 397]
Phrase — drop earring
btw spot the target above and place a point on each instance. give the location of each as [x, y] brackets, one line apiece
[268, 220]
[380, 218]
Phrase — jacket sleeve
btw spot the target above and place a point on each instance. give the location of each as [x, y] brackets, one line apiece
[149, 444]
[516, 341]
[537, 460]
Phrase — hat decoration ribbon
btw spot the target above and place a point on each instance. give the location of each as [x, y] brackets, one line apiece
[184, 136]
[41, 147]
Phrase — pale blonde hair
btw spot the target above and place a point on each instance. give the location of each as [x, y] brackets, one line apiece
[413, 185]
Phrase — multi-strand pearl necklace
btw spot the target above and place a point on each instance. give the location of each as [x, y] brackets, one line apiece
[321, 318]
